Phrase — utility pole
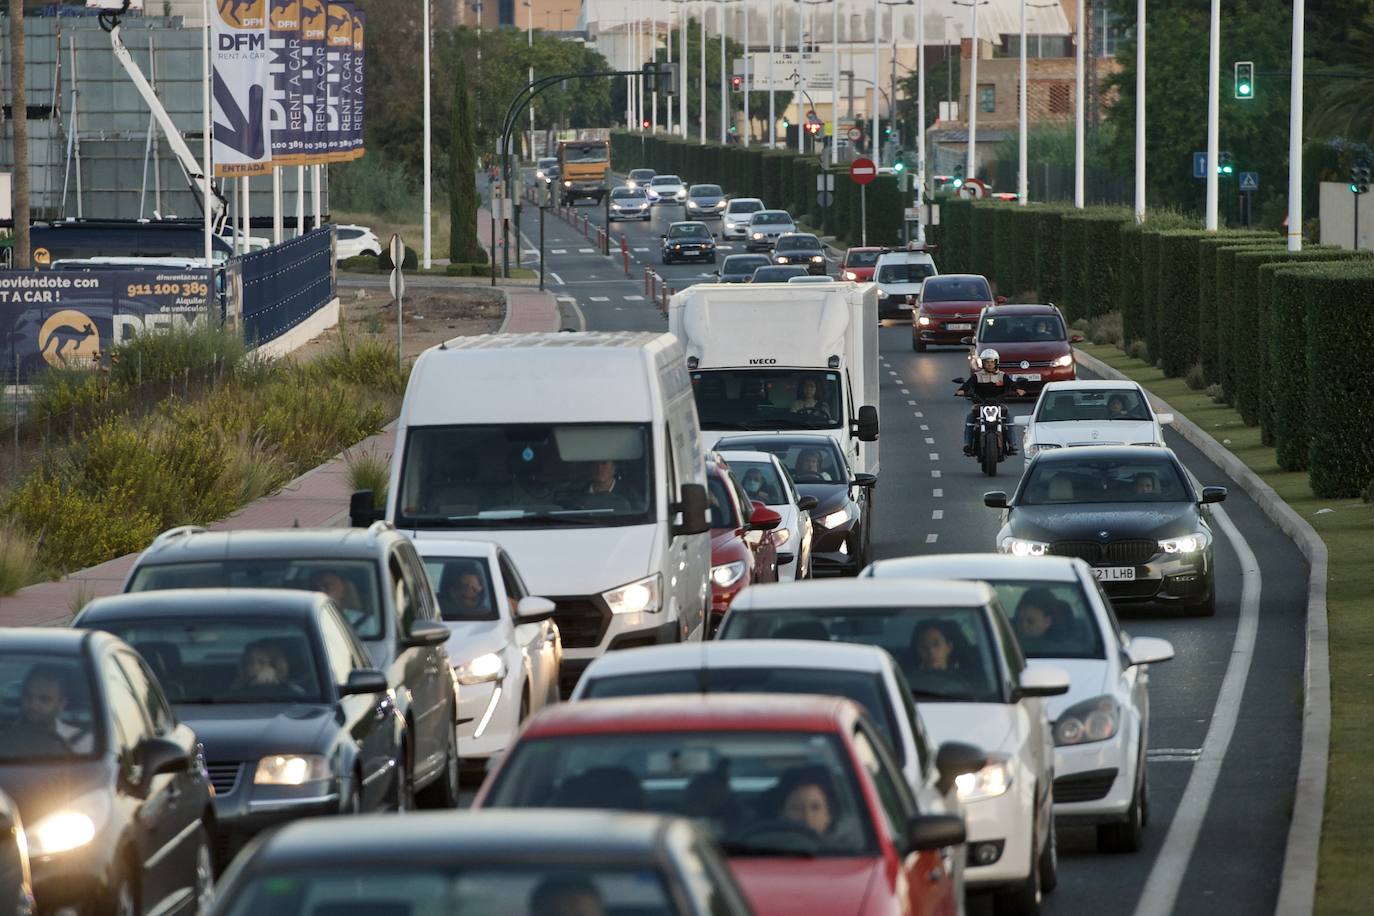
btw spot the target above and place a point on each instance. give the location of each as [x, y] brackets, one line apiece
[1295, 133]
[1140, 110]
[20, 99]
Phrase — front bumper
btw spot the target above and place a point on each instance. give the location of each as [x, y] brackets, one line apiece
[837, 551]
[705, 212]
[939, 333]
[1006, 819]
[488, 716]
[81, 879]
[689, 254]
[1164, 578]
[734, 230]
[1047, 374]
[589, 629]
[247, 810]
[812, 268]
[1094, 783]
[645, 214]
[764, 244]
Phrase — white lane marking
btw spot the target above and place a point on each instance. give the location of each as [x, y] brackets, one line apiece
[937, 493]
[935, 474]
[937, 514]
[641, 249]
[911, 403]
[1166, 875]
[934, 456]
[905, 391]
[932, 538]
[925, 428]
[929, 441]
[1173, 754]
[556, 278]
[558, 251]
[634, 298]
[892, 372]
[725, 247]
[920, 415]
[586, 251]
[599, 298]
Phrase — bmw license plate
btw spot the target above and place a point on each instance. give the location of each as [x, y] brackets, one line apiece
[1114, 573]
[1026, 377]
[691, 254]
[958, 327]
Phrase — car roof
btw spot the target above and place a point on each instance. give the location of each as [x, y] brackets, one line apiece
[1023, 308]
[849, 593]
[277, 603]
[958, 277]
[440, 547]
[446, 837]
[819, 440]
[1087, 453]
[687, 222]
[975, 566]
[746, 200]
[668, 177]
[1090, 384]
[908, 256]
[53, 640]
[741, 653]
[691, 713]
[739, 454]
[189, 544]
[773, 213]
[707, 185]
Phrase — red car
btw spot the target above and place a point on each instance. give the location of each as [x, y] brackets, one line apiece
[743, 548]
[801, 792]
[947, 309]
[858, 264]
[1032, 342]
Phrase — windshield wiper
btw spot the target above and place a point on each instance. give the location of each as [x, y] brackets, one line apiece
[581, 517]
[934, 695]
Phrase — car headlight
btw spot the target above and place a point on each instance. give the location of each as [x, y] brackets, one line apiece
[837, 518]
[1189, 543]
[71, 827]
[758, 235]
[992, 780]
[291, 770]
[882, 293]
[727, 574]
[782, 536]
[780, 259]
[850, 275]
[567, 184]
[1035, 447]
[1092, 720]
[480, 670]
[1020, 547]
[923, 321]
[720, 205]
[646, 595]
[540, 173]
[817, 258]
[1065, 360]
[693, 204]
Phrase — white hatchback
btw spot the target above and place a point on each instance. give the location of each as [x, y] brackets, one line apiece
[351, 241]
[1102, 725]
[1091, 412]
[666, 189]
[735, 223]
[971, 684]
[505, 647]
[766, 479]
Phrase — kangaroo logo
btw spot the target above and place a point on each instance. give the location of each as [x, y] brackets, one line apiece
[286, 14]
[312, 19]
[242, 14]
[340, 27]
[68, 336]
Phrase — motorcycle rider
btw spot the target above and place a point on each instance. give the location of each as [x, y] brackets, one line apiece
[988, 382]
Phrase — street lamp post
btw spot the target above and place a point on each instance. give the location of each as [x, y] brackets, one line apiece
[772, 111]
[428, 184]
[892, 99]
[1214, 117]
[1078, 113]
[529, 43]
[1140, 110]
[834, 83]
[1022, 173]
[724, 92]
[801, 49]
[701, 87]
[921, 121]
[1295, 136]
[971, 157]
[684, 21]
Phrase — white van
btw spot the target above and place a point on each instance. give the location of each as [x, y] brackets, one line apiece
[581, 456]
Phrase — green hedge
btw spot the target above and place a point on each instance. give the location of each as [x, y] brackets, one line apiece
[956, 234]
[982, 240]
[1340, 399]
[1238, 328]
[1008, 247]
[1174, 345]
[1224, 295]
[1207, 292]
[1101, 263]
[1023, 222]
[1048, 221]
[1142, 325]
[1073, 240]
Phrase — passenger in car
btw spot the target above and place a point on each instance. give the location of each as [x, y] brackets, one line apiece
[566, 896]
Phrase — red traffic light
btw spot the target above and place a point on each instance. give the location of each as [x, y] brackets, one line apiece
[645, 123]
[736, 82]
[813, 127]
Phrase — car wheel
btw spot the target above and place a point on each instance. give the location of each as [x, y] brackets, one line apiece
[123, 899]
[918, 344]
[1048, 866]
[404, 798]
[1207, 607]
[1130, 835]
[443, 793]
[204, 889]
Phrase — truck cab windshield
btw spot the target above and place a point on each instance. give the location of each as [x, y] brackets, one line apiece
[585, 154]
[768, 398]
[527, 475]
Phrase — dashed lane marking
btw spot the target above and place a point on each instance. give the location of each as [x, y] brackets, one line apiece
[929, 441]
[599, 298]
[586, 251]
[557, 279]
[634, 298]
[937, 493]
[911, 403]
[558, 251]
[937, 515]
[1173, 754]
[925, 428]
[934, 456]
[935, 474]
[932, 538]
[905, 391]
[640, 249]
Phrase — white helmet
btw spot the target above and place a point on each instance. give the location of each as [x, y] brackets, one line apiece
[989, 354]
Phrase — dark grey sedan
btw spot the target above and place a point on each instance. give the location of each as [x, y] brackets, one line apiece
[1131, 512]
[804, 249]
[778, 273]
[739, 268]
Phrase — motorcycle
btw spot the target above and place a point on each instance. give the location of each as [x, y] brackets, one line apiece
[989, 435]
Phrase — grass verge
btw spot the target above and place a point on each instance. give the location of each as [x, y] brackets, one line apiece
[1347, 528]
[369, 471]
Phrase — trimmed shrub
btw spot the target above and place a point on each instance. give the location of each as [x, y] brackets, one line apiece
[1048, 221]
[1207, 292]
[1145, 322]
[1176, 309]
[1341, 404]
[1225, 294]
[1101, 262]
[1007, 250]
[956, 231]
[411, 261]
[1023, 223]
[1073, 239]
[982, 242]
[1244, 334]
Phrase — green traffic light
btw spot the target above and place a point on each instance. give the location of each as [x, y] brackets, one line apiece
[1244, 89]
[898, 166]
[958, 182]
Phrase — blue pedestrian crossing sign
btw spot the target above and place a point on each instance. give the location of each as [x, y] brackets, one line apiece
[1249, 181]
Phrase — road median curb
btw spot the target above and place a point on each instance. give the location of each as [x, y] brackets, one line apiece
[1298, 882]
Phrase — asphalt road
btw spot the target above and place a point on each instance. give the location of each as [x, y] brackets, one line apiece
[1226, 712]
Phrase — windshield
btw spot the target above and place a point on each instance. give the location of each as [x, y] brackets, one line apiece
[963, 289]
[744, 206]
[760, 793]
[463, 586]
[914, 272]
[1051, 619]
[1147, 479]
[545, 163]
[1012, 328]
[946, 653]
[807, 462]
[779, 274]
[688, 231]
[623, 193]
[863, 687]
[207, 660]
[707, 190]
[768, 398]
[855, 258]
[641, 174]
[743, 263]
[1095, 404]
[798, 243]
[761, 481]
[661, 180]
[593, 153]
[351, 583]
[516, 889]
[46, 712]
[765, 218]
[539, 475]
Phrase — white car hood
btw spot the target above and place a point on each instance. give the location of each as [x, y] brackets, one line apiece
[991, 726]
[472, 638]
[1094, 432]
[1087, 679]
[568, 562]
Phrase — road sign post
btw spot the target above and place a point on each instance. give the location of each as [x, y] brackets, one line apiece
[863, 171]
[398, 290]
[1249, 184]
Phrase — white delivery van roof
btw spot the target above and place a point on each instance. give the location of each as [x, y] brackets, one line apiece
[540, 378]
[792, 325]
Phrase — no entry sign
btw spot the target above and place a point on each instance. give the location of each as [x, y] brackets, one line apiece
[862, 170]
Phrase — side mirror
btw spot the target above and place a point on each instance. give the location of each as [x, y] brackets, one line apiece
[763, 518]
[427, 633]
[1147, 650]
[995, 499]
[955, 759]
[957, 381]
[534, 610]
[663, 236]
[1213, 494]
[1023, 420]
[159, 755]
[966, 341]
[935, 831]
[715, 273]
[1042, 681]
[364, 681]
[1164, 418]
[785, 558]
[864, 480]
[362, 509]
[866, 425]
[693, 508]
[1075, 338]
[807, 503]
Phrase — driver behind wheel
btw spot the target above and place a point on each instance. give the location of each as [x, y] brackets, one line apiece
[42, 700]
[808, 469]
[988, 383]
[807, 397]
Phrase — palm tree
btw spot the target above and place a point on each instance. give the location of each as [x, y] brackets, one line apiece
[1344, 87]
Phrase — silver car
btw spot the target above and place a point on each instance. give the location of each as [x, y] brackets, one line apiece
[764, 228]
[667, 189]
[705, 201]
[738, 212]
[630, 203]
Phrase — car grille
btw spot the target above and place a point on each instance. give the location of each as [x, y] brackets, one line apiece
[224, 776]
[1083, 787]
[1109, 553]
[568, 676]
[582, 622]
[1011, 365]
[1140, 588]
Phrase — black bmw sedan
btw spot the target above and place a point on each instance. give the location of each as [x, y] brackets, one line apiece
[293, 718]
[842, 517]
[1131, 512]
[688, 241]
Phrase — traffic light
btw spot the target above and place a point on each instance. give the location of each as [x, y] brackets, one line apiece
[887, 130]
[813, 128]
[958, 181]
[1226, 165]
[1245, 79]
[736, 83]
[899, 166]
[786, 124]
[645, 123]
[734, 128]
[1359, 179]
